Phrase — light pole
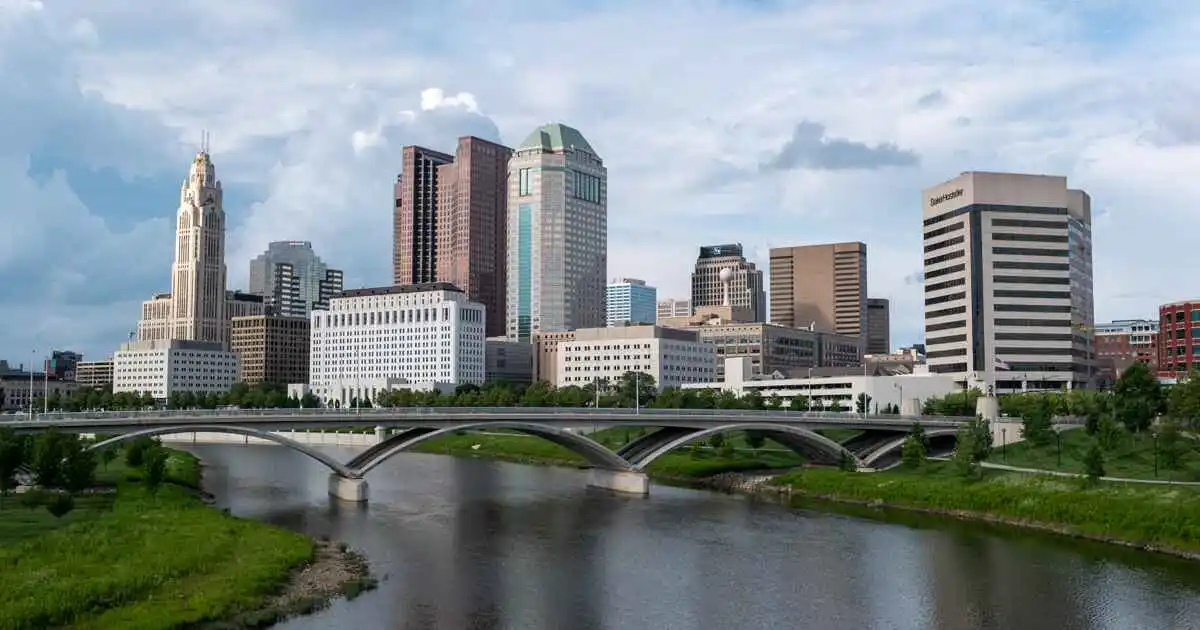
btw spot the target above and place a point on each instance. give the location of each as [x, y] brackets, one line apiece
[900, 407]
[1058, 441]
[31, 384]
[46, 387]
[1156, 454]
[1004, 444]
[637, 393]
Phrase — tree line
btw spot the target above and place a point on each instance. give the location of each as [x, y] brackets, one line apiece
[59, 466]
[633, 389]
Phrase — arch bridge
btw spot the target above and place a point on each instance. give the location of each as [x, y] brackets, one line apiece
[623, 470]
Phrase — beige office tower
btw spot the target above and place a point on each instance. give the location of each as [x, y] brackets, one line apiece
[820, 286]
[557, 234]
[198, 275]
[1008, 281]
[194, 310]
[723, 277]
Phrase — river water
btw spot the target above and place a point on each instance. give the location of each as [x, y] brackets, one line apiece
[471, 544]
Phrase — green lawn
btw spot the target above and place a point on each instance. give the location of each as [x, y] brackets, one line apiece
[700, 461]
[1160, 515]
[1133, 458]
[143, 562]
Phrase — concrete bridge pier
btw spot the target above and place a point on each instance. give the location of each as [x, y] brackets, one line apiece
[623, 481]
[348, 488]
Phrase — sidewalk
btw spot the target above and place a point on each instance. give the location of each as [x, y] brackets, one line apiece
[1059, 473]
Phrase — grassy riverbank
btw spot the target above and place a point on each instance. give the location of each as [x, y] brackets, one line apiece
[1165, 518]
[698, 462]
[1133, 457]
[136, 560]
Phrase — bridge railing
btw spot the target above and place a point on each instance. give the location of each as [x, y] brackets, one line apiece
[368, 415]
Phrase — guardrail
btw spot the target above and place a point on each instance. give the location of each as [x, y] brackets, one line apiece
[392, 413]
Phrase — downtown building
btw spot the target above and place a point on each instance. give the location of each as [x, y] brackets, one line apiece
[602, 356]
[672, 307]
[630, 301]
[1178, 339]
[450, 221]
[182, 339]
[557, 234]
[378, 339]
[1120, 344]
[822, 287]
[879, 326]
[722, 274]
[292, 279]
[1008, 282]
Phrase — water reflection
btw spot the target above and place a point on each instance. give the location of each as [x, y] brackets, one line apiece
[477, 544]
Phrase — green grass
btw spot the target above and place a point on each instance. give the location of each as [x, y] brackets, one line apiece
[685, 463]
[1165, 516]
[1133, 458]
[148, 562]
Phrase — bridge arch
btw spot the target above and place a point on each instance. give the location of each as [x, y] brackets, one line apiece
[891, 446]
[803, 441]
[331, 463]
[595, 453]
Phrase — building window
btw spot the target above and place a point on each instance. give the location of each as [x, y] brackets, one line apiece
[525, 182]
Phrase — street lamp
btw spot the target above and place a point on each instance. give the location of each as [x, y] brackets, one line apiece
[637, 393]
[900, 407]
[1058, 441]
[31, 385]
[1004, 443]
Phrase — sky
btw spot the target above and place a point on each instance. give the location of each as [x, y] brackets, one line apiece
[765, 122]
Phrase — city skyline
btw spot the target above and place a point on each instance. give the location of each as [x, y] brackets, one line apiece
[825, 161]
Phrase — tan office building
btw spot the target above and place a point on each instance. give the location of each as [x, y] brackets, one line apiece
[271, 348]
[1008, 281]
[823, 286]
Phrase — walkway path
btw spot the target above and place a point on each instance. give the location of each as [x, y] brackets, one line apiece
[1059, 473]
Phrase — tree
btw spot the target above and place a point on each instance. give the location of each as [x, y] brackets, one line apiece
[78, 466]
[636, 389]
[108, 456]
[1093, 463]
[1170, 445]
[13, 453]
[798, 403]
[135, 451]
[49, 450]
[862, 403]
[717, 440]
[156, 468]
[1037, 422]
[964, 450]
[755, 439]
[1183, 403]
[913, 452]
[847, 463]
[1137, 397]
[753, 399]
[1109, 432]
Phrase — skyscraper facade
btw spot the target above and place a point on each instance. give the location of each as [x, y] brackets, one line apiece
[631, 301]
[879, 326]
[1008, 281]
[197, 298]
[745, 285]
[414, 218]
[823, 286]
[292, 279]
[471, 225]
[557, 234]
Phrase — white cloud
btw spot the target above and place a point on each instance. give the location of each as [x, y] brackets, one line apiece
[683, 99]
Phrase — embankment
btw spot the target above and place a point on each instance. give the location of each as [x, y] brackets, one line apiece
[164, 559]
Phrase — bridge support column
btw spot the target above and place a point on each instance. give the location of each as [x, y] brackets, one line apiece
[624, 481]
[382, 433]
[348, 489]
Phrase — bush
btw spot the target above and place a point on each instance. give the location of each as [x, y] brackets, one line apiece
[60, 504]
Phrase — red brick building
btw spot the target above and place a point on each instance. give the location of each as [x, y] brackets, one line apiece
[1120, 344]
[1178, 338]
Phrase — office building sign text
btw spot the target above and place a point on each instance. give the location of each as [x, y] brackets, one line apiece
[954, 194]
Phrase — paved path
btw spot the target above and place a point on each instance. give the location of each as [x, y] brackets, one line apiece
[1059, 473]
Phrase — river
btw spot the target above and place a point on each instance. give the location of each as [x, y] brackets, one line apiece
[471, 544]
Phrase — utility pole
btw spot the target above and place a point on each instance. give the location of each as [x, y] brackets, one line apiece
[637, 392]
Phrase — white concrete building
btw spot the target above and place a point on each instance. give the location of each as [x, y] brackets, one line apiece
[557, 234]
[908, 391]
[673, 357]
[672, 307]
[380, 338]
[1008, 282]
[167, 366]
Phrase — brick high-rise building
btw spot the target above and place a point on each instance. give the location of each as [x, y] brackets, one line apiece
[414, 218]
[451, 214]
[824, 286]
[1178, 339]
[271, 348]
[472, 219]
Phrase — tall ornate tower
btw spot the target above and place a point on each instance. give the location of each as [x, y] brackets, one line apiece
[198, 275]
